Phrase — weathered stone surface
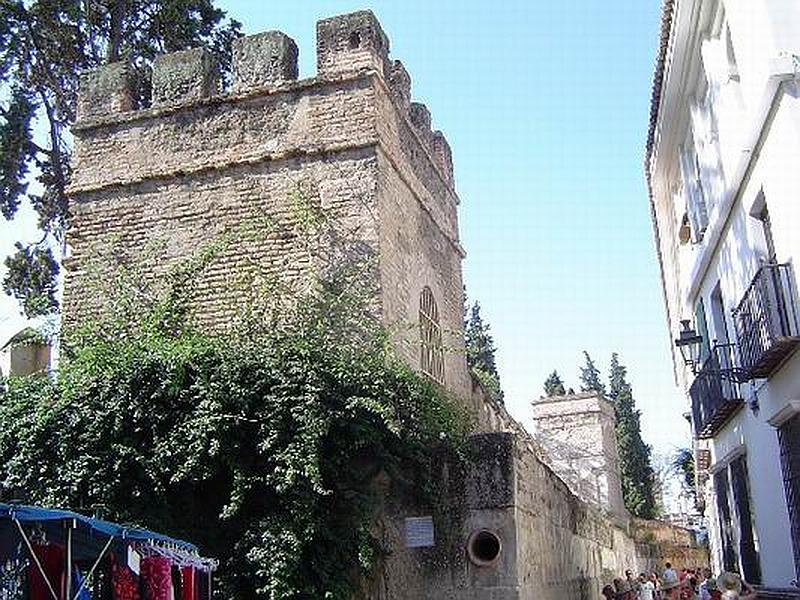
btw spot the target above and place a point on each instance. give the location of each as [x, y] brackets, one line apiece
[184, 75]
[443, 156]
[266, 58]
[350, 43]
[106, 90]
[490, 481]
[400, 84]
[577, 432]
[421, 119]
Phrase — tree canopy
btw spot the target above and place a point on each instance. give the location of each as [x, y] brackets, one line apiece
[683, 467]
[634, 455]
[44, 46]
[590, 376]
[481, 350]
[553, 386]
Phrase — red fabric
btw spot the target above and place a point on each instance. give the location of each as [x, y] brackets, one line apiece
[124, 582]
[53, 560]
[189, 590]
[157, 578]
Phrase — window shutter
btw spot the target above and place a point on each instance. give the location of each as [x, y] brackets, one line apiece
[706, 141]
[702, 329]
[789, 442]
[695, 203]
[751, 567]
[729, 559]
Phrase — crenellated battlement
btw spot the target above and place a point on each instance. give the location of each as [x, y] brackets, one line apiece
[201, 159]
[349, 43]
[349, 47]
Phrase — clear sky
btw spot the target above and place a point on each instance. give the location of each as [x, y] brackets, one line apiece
[545, 105]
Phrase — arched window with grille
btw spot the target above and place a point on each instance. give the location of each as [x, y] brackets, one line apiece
[431, 351]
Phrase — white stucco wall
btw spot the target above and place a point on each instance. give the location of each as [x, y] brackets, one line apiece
[759, 146]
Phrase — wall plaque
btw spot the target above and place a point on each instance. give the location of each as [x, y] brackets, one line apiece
[419, 532]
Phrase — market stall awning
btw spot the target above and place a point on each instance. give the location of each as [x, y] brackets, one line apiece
[89, 534]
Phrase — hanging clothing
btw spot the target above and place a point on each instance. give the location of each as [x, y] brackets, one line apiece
[53, 560]
[177, 583]
[13, 580]
[124, 582]
[102, 584]
[189, 591]
[203, 585]
[157, 578]
[77, 582]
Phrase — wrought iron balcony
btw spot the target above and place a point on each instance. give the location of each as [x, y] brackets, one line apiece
[766, 321]
[715, 392]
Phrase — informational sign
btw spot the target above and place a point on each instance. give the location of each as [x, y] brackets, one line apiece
[419, 532]
[134, 560]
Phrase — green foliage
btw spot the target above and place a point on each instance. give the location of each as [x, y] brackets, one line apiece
[634, 455]
[31, 279]
[553, 386]
[44, 46]
[15, 150]
[271, 446]
[590, 376]
[683, 466]
[481, 352]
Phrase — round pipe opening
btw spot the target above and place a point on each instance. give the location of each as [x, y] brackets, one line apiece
[484, 547]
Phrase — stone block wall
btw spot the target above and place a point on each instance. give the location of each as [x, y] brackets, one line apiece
[553, 545]
[203, 164]
[24, 358]
[577, 432]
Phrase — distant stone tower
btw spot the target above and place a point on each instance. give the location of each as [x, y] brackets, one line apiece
[202, 162]
[577, 432]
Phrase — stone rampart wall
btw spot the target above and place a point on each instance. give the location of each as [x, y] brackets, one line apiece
[554, 546]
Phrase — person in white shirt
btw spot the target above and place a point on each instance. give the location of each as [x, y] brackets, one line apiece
[647, 591]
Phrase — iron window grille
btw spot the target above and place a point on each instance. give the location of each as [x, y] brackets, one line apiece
[431, 350]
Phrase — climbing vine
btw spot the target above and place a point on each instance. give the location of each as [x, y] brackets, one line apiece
[272, 444]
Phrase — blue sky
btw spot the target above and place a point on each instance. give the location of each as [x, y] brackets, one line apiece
[545, 105]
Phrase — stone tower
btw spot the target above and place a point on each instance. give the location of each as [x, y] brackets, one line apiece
[202, 162]
[577, 432]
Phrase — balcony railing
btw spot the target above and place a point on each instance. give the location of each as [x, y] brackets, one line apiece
[715, 392]
[766, 321]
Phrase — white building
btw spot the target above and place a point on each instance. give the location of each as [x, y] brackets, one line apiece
[723, 167]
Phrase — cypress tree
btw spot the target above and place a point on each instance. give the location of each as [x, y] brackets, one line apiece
[553, 386]
[590, 377]
[481, 350]
[634, 455]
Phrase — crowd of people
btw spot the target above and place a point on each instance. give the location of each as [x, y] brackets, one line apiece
[688, 584]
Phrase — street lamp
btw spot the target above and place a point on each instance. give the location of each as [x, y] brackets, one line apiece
[689, 343]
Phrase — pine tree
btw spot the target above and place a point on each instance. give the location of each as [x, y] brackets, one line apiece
[44, 46]
[634, 455]
[553, 386]
[481, 350]
[590, 377]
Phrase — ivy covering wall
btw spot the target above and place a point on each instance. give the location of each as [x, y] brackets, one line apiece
[270, 445]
